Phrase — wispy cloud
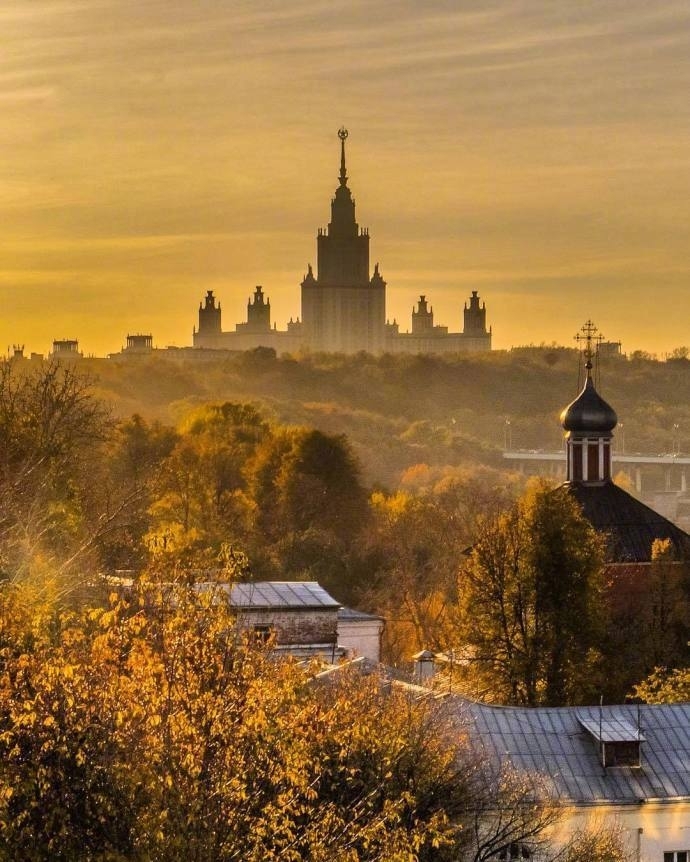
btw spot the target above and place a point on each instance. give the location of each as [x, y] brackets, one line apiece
[497, 139]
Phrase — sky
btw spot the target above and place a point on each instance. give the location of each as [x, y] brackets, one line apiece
[537, 151]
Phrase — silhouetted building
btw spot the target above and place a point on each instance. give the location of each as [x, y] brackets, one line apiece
[66, 349]
[139, 344]
[343, 306]
[209, 318]
[343, 309]
[258, 313]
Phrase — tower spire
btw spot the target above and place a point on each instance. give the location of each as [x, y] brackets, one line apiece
[342, 134]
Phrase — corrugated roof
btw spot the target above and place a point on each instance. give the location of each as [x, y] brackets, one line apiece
[281, 594]
[552, 748]
[630, 526]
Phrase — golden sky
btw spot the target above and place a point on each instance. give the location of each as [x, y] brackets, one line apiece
[535, 150]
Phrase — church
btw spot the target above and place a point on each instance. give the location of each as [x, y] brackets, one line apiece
[343, 304]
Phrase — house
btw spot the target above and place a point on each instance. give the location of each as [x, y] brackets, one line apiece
[305, 621]
[627, 764]
[299, 617]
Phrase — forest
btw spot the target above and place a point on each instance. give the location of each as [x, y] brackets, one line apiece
[116, 711]
[401, 411]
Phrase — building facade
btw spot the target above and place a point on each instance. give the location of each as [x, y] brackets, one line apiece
[343, 304]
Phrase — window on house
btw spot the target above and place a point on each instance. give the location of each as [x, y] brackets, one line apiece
[517, 851]
[676, 856]
[262, 634]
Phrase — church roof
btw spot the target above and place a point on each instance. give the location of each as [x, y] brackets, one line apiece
[631, 527]
[589, 413]
[553, 748]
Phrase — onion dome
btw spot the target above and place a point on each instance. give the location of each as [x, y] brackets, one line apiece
[589, 413]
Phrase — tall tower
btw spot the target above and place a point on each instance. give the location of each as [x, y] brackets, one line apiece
[422, 318]
[343, 310]
[589, 422]
[475, 317]
[258, 312]
[209, 316]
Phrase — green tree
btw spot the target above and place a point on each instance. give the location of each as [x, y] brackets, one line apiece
[311, 507]
[203, 496]
[530, 603]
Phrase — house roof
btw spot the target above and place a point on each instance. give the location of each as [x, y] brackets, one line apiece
[352, 615]
[631, 527]
[552, 748]
[282, 594]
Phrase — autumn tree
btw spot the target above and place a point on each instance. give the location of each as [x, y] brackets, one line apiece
[51, 431]
[664, 686]
[530, 603]
[153, 729]
[203, 492]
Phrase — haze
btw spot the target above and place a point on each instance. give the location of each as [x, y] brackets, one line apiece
[538, 152]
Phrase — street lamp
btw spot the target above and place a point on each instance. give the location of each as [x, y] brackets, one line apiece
[507, 436]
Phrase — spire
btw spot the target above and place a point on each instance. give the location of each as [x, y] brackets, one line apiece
[342, 134]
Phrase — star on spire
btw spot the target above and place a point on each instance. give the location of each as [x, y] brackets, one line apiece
[342, 134]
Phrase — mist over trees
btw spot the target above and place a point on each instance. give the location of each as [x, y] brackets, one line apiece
[400, 411]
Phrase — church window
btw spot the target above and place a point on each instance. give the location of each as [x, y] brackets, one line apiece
[577, 462]
[592, 462]
[676, 856]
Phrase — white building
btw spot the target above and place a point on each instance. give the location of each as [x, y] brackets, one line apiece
[625, 764]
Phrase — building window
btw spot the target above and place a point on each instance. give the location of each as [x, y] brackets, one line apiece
[676, 856]
[518, 851]
[262, 634]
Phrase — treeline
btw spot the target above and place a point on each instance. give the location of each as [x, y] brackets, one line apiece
[398, 411]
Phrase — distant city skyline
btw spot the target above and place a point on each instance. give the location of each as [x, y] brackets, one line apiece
[537, 152]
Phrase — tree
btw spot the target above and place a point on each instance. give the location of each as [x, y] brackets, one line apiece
[51, 431]
[311, 507]
[664, 686]
[203, 495]
[530, 603]
[154, 730]
[649, 621]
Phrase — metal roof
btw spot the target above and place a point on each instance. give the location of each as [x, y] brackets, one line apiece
[629, 525]
[611, 729]
[351, 615]
[550, 746]
[281, 594]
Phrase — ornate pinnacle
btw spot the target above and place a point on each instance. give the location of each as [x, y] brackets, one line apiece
[592, 338]
[342, 134]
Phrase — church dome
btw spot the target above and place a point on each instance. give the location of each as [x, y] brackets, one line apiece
[589, 413]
